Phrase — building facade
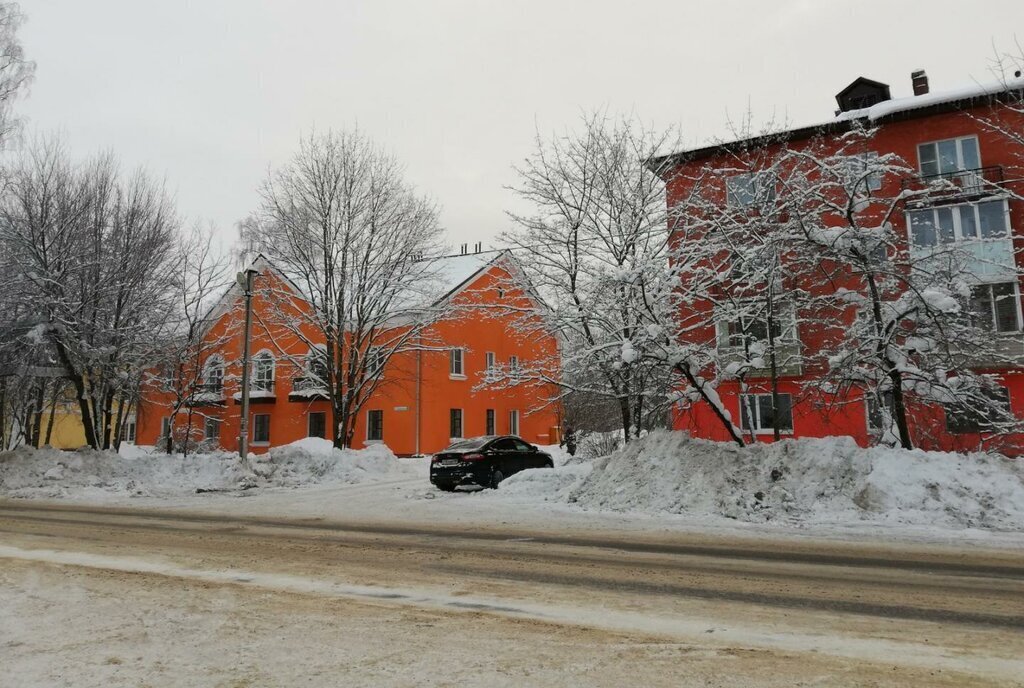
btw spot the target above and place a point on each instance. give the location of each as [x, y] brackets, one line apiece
[425, 397]
[966, 185]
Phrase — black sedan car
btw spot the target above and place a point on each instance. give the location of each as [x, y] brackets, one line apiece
[484, 461]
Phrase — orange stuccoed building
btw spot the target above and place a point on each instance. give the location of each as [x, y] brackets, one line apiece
[426, 396]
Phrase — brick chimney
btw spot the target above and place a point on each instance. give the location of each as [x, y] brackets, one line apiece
[920, 82]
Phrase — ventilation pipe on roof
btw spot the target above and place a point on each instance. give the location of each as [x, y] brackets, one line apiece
[464, 249]
[920, 82]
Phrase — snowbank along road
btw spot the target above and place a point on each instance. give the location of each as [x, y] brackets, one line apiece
[111, 596]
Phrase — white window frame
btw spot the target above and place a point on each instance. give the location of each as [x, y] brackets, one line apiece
[513, 422]
[959, 155]
[490, 422]
[785, 315]
[457, 356]
[215, 362]
[260, 356]
[165, 426]
[256, 442]
[758, 428]
[958, 235]
[756, 178]
[858, 165]
[995, 313]
[513, 367]
[129, 428]
[206, 428]
[490, 361]
[374, 440]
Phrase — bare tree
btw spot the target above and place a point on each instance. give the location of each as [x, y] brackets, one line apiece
[352, 239]
[15, 71]
[190, 368]
[92, 251]
[907, 327]
[593, 245]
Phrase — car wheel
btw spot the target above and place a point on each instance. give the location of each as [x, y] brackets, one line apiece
[496, 478]
[445, 487]
[549, 464]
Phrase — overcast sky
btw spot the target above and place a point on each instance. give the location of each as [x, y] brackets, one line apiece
[210, 93]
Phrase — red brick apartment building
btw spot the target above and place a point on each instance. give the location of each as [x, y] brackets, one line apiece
[941, 136]
[425, 399]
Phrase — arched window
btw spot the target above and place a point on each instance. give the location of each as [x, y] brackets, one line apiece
[316, 365]
[213, 375]
[263, 372]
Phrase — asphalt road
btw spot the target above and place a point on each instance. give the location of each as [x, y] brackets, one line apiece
[783, 612]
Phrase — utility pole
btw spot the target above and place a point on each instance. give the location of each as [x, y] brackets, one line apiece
[244, 280]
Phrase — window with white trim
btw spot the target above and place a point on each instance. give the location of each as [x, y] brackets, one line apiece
[455, 363]
[263, 372]
[950, 223]
[490, 429]
[375, 425]
[996, 307]
[513, 422]
[211, 428]
[757, 413]
[489, 361]
[213, 375]
[165, 426]
[128, 430]
[861, 168]
[753, 188]
[513, 367]
[948, 156]
[376, 358]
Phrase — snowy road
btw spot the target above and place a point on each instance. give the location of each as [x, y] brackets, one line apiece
[111, 596]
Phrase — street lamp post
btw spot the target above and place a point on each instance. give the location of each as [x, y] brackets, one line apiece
[244, 280]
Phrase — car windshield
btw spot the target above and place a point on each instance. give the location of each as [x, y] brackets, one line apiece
[468, 445]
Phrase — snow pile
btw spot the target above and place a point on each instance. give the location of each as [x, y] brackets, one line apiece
[819, 481]
[49, 473]
[545, 484]
[314, 460]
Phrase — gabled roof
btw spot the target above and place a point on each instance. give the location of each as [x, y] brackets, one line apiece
[446, 277]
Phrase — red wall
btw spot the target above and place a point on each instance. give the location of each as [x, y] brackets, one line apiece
[817, 414]
[476, 325]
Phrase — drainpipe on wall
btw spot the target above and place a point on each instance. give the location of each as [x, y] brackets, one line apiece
[419, 379]
[245, 281]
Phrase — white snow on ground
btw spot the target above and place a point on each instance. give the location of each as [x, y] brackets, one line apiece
[664, 482]
[47, 472]
[806, 481]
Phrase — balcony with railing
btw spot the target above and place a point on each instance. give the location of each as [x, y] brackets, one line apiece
[953, 187]
[261, 391]
[207, 394]
[307, 388]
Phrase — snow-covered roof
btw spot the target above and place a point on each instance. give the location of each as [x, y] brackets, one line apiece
[894, 105]
[844, 120]
[452, 272]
